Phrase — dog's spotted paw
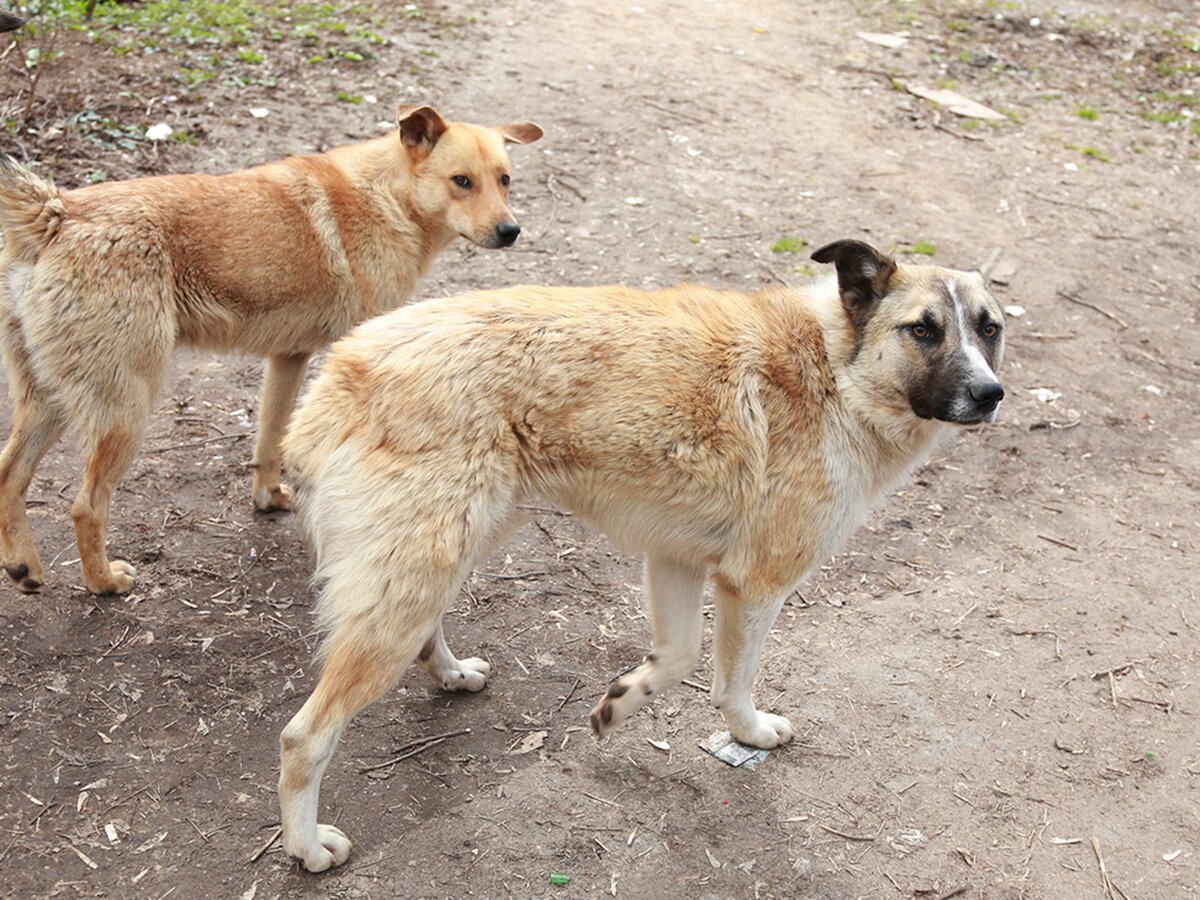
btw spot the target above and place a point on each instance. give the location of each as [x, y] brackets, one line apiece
[766, 732]
[466, 675]
[120, 579]
[329, 848]
[272, 499]
[26, 582]
[610, 711]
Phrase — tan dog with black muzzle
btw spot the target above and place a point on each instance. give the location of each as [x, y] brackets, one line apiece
[737, 437]
[97, 285]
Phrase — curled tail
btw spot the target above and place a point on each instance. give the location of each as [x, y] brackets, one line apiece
[30, 210]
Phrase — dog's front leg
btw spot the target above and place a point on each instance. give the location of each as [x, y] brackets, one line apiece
[674, 592]
[281, 386]
[742, 625]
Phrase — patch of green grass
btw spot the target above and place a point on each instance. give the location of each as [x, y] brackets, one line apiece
[923, 248]
[1090, 152]
[346, 97]
[1086, 112]
[108, 132]
[218, 37]
[694, 238]
[789, 244]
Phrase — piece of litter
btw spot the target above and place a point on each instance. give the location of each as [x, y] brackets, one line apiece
[1071, 167]
[88, 861]
[1014, 312]
[159, 132]
[1172, 856]
[532, 741]
[1044, 395]
[260, 112]
[636, 201]
[110, 831]
[659, 745]
[956, 103]
[1152, 389]
[891, 41]
[202, 727]
[151, 843]
[712, 860]
[722, 745]
[559, 878]
[913, 837]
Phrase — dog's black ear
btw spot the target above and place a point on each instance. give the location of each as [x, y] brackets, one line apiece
[420, 126]
[863, 276]
[520, 132]
[9, 22]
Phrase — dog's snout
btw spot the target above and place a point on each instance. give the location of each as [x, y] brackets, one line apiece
[987, 395]
[506, 233]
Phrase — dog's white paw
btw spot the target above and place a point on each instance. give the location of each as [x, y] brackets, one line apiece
[119, 581]
[270, 499]
[330, 848]
[766, 732]
[466, 675]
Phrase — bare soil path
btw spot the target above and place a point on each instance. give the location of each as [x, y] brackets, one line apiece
[995, 684]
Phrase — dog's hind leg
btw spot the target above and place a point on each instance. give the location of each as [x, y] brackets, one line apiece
[108, 456]
[452, 674]
[395, 553]
[36, 426]
[281, 386]
[675, 591]
[366, 652]
[740, 630]
[358, 669]
[435, 658]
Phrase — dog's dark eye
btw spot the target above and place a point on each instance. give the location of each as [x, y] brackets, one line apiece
[919, 330]
[462, 181]
[990, 330]
[504, 180]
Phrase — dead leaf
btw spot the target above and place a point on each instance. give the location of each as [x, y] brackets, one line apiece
[532, 741]
[891, 41]
[956, 103]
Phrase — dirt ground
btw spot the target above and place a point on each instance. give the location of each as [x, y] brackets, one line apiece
[994, 687]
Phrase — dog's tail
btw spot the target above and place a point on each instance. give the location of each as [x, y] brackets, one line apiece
[30, 210]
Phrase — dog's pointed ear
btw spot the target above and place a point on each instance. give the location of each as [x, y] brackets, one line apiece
[863, 275]
[520, 132]
[9, 22]
[420, 126]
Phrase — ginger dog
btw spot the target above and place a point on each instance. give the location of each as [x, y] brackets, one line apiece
[97, 285]
[735, 436]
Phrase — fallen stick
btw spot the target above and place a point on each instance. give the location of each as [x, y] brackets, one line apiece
[267, 846]
[211, 440]
[420, 745]
[1071, 298]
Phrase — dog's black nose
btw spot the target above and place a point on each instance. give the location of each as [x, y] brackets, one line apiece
[987, 395]
[506, 233]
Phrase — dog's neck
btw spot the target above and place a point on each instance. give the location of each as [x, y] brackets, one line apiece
[382, 171]
[885, 431]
